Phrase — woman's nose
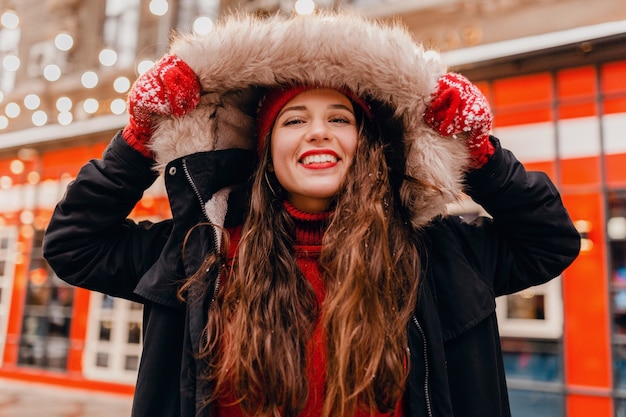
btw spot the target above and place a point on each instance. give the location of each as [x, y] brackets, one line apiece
[319, 130]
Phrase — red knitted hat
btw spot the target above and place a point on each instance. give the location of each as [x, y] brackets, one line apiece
[275, 100]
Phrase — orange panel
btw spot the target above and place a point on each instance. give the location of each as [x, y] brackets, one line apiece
[523, 100]
[66, 380]
[521, 117]
[612, 77]
[576, 82]
[519, 91]
[570, 111]
[580, 171]
[64, 161]
[615, 169]
[614, 105]
[588, 406]
[585, 301]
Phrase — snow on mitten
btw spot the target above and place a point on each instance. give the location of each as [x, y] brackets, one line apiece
[170, 87]
[458, 107]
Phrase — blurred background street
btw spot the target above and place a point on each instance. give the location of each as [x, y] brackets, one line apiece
[28, 399]
[554, 72]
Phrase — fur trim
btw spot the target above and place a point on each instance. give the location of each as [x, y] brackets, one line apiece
[342, 50]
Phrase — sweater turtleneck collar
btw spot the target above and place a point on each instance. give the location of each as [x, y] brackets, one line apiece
[310, 227]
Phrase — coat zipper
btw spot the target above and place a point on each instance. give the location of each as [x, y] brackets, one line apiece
[426, 368]
[199, 197]
[194, 188]
[215, 241]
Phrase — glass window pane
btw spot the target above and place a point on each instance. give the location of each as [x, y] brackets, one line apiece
[131, 363]
[102, 359]
[105, 330]
[536, 404]
[108, 302]
[134, 333]
[526, 306]
[532, 360]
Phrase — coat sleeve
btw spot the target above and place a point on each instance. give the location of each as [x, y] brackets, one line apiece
[530, 237]
[89, 241]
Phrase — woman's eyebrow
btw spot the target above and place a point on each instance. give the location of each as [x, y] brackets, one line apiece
[303, 107]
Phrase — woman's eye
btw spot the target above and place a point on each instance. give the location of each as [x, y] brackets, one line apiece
[293, 121]
[340, 119]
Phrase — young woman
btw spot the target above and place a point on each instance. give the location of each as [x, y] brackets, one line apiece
[310, 268]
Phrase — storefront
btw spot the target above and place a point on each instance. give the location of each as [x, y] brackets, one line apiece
[561, 108]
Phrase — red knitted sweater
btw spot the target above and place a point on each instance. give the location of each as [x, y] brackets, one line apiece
[309, 231]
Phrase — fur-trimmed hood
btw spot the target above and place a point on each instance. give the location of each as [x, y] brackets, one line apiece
[379, 61]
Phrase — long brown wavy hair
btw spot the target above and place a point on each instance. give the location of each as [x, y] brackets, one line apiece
[259, 324]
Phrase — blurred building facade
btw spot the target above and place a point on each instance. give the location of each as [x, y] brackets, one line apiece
[553, 70]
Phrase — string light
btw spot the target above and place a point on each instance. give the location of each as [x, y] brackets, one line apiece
[12, 110]
[32, 101]
[144, 66]
[63, 42]
[121, 84]
[118, 106]
[91, 105]
[304, 7]
[108, 57]
[10, 20]
[159, 7]
[64, 104]
[39, 118]
[203, 25]
[52, 72]
[89, 79]
[65, 118]
[11, 63]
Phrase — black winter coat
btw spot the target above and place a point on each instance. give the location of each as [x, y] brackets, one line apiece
[455, 356]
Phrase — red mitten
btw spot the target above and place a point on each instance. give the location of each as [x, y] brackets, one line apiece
[170, 87]
[458, 106]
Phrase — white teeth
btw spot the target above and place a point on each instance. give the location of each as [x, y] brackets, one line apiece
[318, 159]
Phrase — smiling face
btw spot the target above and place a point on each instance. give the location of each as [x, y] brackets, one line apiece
[313, 142]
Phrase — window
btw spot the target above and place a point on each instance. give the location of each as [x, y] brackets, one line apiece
[190, 10]
[113, 344]
[47, 315]
[536, 312]
[616, 233]
[8, 243]
[531, 326]
[9, 41]
[121, 27]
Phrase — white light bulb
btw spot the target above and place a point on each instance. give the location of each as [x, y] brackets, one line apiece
[39, 118]
[118, 106]
[91, 105]
[64, 104]
[63, 42]
[10, 20]
[89, 79]
[203, 25]
[32, 101]
[12, 110]
[108, 57]
[52, 72]
[11, 63]
[121, 84]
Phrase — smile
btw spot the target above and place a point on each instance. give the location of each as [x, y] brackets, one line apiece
[319, 159]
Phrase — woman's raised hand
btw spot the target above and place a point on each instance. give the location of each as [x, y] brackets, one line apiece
[458, 107]
[170, 87]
